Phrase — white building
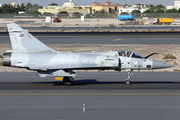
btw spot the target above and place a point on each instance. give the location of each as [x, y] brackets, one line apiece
[176, 5]
[0, 5]
[126, 9]
[169, 7]
[70, 7]
[129, 10]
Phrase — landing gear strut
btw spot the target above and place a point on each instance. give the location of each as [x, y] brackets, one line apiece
[129, 77]
[67, 81]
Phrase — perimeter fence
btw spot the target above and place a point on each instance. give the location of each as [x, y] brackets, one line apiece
[21, 16]
[90, 16]
[158, 15]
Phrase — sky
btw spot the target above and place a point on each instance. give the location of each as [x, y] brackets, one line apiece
[88, 2]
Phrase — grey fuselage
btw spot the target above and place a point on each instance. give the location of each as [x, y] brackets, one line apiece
[93, 60]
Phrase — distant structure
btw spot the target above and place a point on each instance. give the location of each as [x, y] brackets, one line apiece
[108, 7]
[176, 5]
[70, 7]
[69, 4]
[0, 5]
[14, 4]
[129, 9]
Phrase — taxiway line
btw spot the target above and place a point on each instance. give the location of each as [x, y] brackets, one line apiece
[96, 94]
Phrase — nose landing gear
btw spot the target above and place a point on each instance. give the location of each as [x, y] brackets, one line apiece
[130, 72]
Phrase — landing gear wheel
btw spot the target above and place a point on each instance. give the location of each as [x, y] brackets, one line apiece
[127, 82]
[67, 81]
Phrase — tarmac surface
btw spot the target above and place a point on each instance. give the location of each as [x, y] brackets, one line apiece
[151, 96]
[103, 39]
[103, 28]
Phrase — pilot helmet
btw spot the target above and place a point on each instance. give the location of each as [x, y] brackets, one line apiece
[126, 52]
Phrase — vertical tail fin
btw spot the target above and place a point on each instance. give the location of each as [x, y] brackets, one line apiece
[22, 41]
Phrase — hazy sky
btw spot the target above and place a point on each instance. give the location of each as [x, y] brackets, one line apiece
[87, 2]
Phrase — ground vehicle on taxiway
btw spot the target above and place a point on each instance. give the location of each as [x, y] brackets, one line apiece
[161, 21]
[56, 20]
[126, 17]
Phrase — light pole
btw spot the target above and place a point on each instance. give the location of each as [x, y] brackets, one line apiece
[15, 7]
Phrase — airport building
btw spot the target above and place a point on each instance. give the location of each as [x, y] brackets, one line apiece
[70, 7]
[129, 9]
[176, 5]
[108, 7]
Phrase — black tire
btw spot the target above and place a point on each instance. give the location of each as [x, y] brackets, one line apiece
[67, 81]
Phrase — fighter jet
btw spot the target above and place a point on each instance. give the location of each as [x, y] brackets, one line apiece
[28, 52]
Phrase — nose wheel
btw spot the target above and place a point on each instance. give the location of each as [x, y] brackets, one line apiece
[129, 77]
[127, 82]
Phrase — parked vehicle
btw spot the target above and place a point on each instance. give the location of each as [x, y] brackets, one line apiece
[161, 21]
[126, 17]
[56, 19]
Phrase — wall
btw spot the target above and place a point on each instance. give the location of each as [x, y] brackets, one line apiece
[96, 8]
[70, 11]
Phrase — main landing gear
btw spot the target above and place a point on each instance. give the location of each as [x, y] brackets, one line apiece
[129, 77]
[67, 81]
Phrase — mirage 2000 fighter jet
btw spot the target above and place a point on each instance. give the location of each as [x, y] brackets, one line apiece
[28, 52]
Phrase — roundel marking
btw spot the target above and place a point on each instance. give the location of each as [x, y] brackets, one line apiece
[135, 62]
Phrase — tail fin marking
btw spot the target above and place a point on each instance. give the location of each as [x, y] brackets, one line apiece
[22, 41]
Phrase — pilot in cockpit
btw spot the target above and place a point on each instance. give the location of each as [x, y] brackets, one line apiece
[130, 54]
[126, 54]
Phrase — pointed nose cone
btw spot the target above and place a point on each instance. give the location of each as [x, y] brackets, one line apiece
[159, 65]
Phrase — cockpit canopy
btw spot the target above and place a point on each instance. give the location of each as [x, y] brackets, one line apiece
[129, 54]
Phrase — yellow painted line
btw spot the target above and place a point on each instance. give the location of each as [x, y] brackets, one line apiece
[116, 39]
[59, 78]
[95, 94]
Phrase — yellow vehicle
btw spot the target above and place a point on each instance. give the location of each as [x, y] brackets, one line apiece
[165, 21]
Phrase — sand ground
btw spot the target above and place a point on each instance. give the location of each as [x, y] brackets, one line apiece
[98, 22]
